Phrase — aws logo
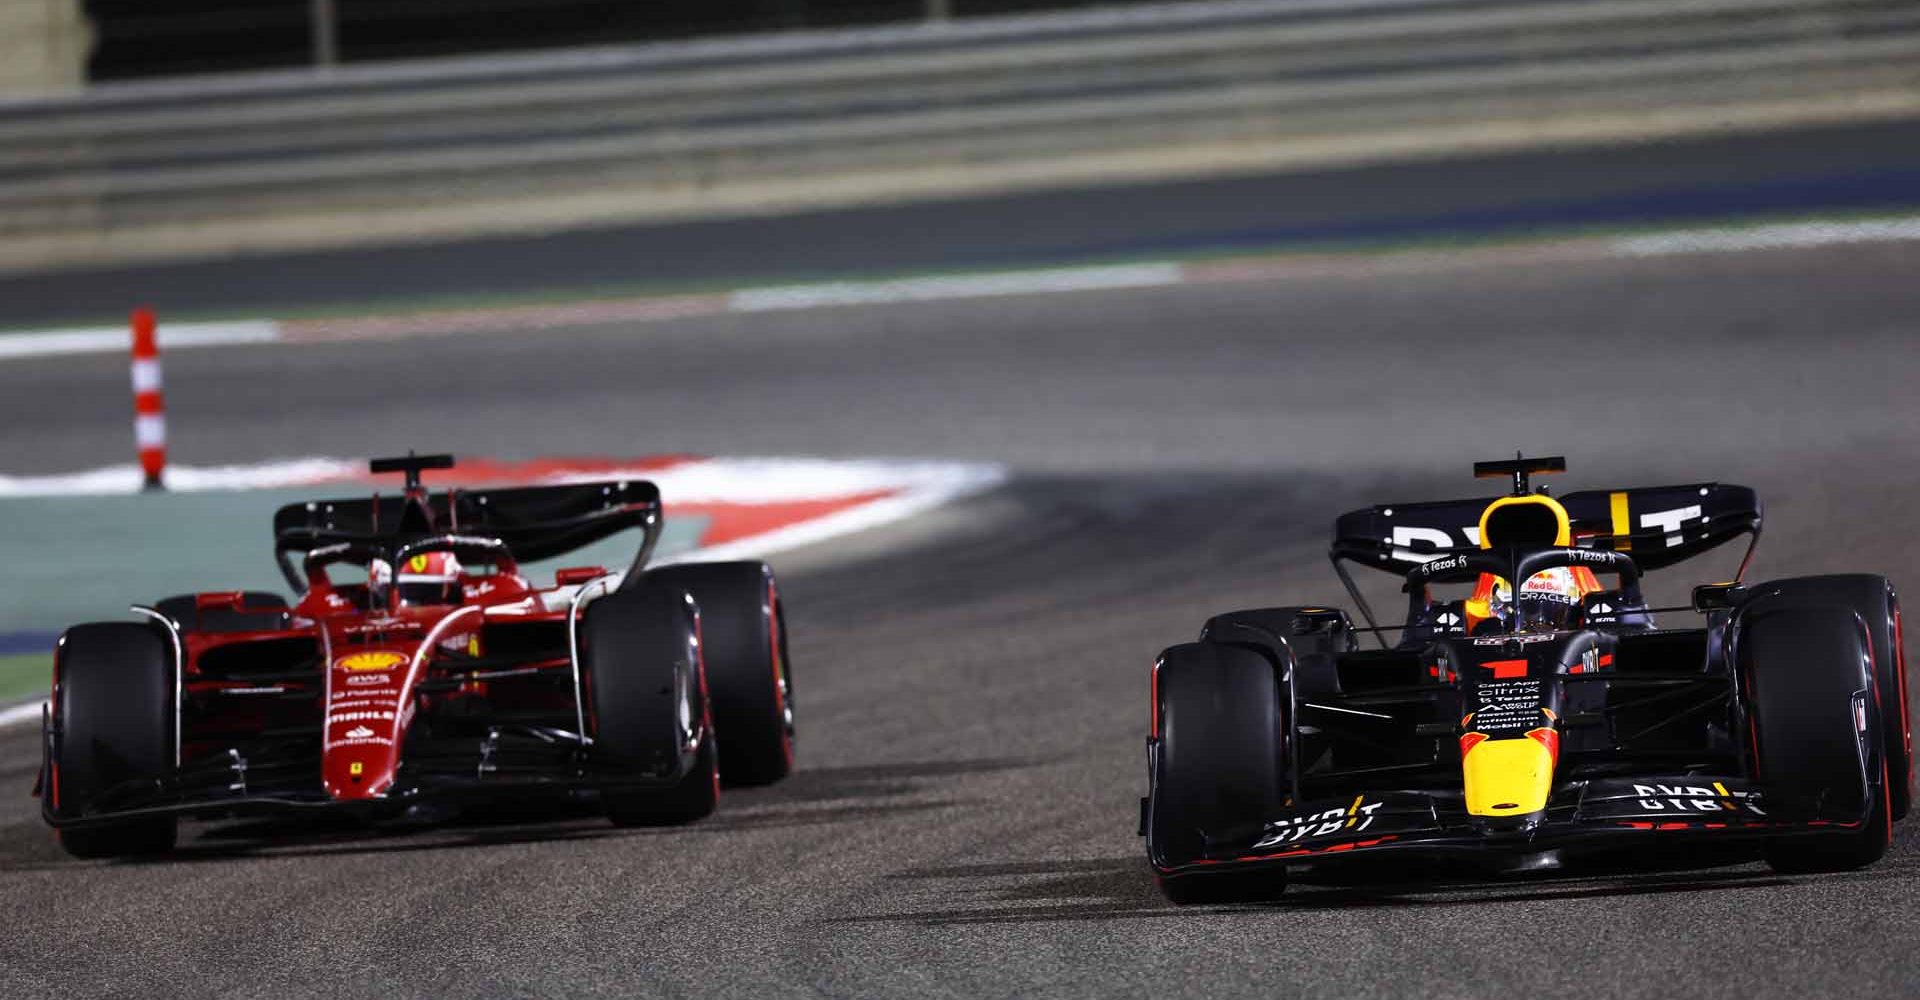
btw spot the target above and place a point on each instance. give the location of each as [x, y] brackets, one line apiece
[362, 662]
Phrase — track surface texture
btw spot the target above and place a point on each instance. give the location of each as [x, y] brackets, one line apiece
[1840, 168]
[972, 687]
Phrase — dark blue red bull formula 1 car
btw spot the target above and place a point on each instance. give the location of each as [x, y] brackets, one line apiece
[418, 665]
[1540, 713]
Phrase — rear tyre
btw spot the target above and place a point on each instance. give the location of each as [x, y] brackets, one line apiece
[647, 706]
[1218, 767]
[1804, 668]
[743, 637]
[113, 717]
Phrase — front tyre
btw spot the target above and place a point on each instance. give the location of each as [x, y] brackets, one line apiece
[113, 721]
[1218, 762]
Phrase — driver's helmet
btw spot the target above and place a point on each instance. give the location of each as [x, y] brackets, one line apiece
[1549, 600]
[429, 578]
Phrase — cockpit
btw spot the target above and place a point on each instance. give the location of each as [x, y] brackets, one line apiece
[1529, 538]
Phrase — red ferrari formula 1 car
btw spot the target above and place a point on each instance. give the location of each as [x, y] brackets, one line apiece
[1539, 713]
[420, 665]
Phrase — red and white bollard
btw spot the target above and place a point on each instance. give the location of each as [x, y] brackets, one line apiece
[149, 410]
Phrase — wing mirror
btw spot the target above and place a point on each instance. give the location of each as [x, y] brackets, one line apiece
[1718, 596]
[574, 575]
[223, 600]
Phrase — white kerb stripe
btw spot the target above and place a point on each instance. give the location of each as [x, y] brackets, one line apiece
[146, 375]
[150, 430]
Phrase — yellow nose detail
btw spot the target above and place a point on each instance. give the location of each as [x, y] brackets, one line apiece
[1508, 777]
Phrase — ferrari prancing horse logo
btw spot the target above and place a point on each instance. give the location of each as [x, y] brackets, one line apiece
[370, 661]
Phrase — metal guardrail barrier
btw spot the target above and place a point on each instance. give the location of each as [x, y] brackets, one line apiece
[182, 167]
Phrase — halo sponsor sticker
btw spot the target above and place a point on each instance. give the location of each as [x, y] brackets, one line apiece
[361, 662]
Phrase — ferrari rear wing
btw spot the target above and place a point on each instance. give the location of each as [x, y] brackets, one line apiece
[535, 522]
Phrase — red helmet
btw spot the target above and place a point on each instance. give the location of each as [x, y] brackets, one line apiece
[429, 578]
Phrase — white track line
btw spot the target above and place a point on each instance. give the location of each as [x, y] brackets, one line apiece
[173, 336]
[112, 340]
[18, 714]
[711, 480]
[1776, 237]
[97, 340]
[183, 478]
[846, 293]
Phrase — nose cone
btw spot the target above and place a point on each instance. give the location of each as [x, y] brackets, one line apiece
[361, 748]
[1508, 777]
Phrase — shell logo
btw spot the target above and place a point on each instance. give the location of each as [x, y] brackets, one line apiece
[359, 662]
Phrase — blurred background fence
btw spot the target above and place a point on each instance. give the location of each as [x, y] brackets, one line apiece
[450, 146]
[141, 38]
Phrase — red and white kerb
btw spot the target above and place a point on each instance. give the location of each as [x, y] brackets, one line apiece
[149, 409]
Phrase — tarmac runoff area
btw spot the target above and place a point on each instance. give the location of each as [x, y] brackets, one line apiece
[972, 682]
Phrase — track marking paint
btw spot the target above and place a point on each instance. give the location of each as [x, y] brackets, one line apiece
[965, 286]
[113, 340]
[184, 478]
[1777, 237]
[963, 481]
[1281, 264]
[18, 714]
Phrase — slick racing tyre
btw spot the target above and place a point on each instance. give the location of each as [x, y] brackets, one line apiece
[1804, 667]
[743, 635]
[1873, 599]
[647, 707]
[1218, 766]
[113, 721]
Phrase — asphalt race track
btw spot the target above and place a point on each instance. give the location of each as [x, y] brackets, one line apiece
[1863, 167]
[973, 686]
